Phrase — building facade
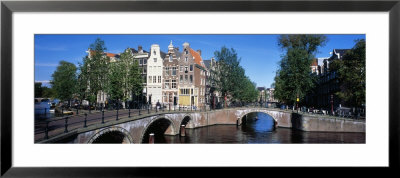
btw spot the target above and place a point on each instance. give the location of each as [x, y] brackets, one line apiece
[328, 84]
[154, 75]
[171, 77]
[191, 87]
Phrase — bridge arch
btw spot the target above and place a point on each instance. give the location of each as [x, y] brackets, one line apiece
[243, 114]
[186, 120]
[163, 123]
[116, 134]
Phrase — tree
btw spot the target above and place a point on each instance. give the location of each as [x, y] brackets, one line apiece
[38, 89]
[294, 78]
[227, 74]
[115, 81]
[132, 77]
[93, 71]
[64, 80]
[248, 92]
[351, 74]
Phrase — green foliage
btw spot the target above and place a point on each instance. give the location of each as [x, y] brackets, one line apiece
[43, 91]
[64, 80]
[351, 74]
[93, 71]
[294, 78]
[229, 78]
[115, 87]
[124, 76]
[248, 92]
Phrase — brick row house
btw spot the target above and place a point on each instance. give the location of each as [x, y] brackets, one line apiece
[175, 78]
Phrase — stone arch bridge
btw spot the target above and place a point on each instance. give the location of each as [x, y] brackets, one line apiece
[137, 129]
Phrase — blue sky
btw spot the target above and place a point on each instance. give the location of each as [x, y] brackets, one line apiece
[259, 54]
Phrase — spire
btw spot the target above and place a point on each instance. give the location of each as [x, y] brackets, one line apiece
[171, 46]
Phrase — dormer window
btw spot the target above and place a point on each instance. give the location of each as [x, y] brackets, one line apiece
[154, 52]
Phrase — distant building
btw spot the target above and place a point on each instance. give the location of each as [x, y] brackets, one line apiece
[261, 94]
[269, 93]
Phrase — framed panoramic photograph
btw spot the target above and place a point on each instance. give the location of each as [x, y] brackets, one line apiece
[103, 88]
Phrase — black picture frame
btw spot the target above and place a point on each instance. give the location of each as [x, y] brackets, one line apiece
[8, 7]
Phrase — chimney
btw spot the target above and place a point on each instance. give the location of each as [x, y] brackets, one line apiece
[140, 49]
[199, 51]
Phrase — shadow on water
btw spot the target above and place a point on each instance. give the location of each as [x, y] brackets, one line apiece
[158, 128]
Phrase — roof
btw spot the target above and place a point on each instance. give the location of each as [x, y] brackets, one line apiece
[207, 63]
[197, 57]
[341, 51]
[111, 55]
[133, 50]
[314, 62]
[260, 88]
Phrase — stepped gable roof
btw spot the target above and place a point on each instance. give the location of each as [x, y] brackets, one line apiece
[197, 57]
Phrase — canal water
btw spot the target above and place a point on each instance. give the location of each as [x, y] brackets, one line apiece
[260, 130]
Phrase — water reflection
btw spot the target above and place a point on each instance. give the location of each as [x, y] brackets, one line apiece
[260, 130]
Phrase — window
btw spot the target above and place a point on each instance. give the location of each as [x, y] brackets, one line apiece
[144, 79]
[154, 79]
[154, 52]
[191, 78]
[180, 78]
[181, 69]
[191, 67]
[174, 71]
[155, 59]
[170, 57]
[144, 61]
[166, 84]
[186, 69]
[167, 71]
[159, 79]
[191, 92]
[186, 59]
[149, 79]
[186, 78]
[140, 61]
[144, 70]
[186, 52]
[173, 83]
